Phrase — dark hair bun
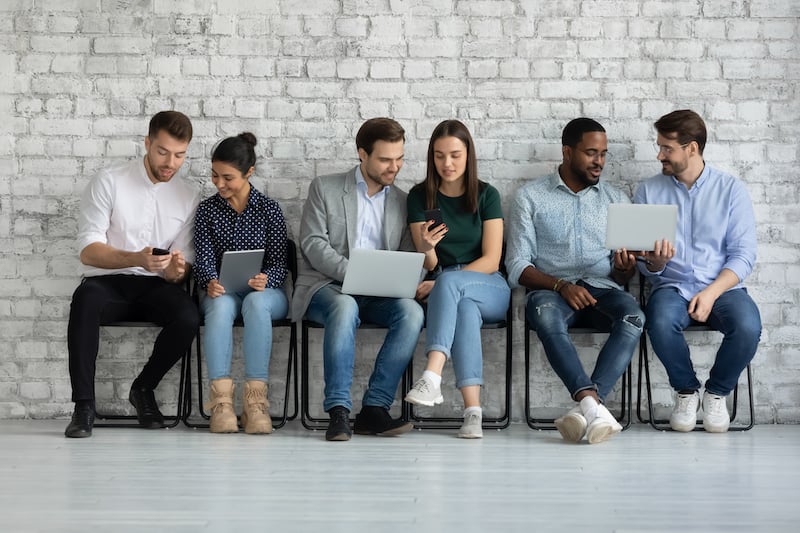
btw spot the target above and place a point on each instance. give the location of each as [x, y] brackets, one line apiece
[248, 137]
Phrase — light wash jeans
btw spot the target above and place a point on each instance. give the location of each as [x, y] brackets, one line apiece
[734, 314]
[460, 302]
[616, 312]
[341, 315]
[258, 309]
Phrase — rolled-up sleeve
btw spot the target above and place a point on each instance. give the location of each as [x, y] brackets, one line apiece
[521, 247]
[95, 213]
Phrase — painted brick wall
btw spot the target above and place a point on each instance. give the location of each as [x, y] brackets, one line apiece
[80, 79]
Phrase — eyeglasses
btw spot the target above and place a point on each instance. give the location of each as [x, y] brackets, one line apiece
[668, 150]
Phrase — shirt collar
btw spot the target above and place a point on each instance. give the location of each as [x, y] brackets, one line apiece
[361, 183]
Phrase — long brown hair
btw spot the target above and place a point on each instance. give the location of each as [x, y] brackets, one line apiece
[453, 128]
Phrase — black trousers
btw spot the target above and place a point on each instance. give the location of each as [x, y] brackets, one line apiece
[102, 299]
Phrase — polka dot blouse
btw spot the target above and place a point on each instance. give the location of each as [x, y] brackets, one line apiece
[219, 228]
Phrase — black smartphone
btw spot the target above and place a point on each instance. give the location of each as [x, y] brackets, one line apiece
[436, 216]
[160, 251]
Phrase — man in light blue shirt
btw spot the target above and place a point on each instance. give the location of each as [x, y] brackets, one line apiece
[556, 248]
[699, 278]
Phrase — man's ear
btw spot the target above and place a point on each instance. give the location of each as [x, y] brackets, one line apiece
[362, 154]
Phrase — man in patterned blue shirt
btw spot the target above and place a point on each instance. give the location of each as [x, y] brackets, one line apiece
[556, 249]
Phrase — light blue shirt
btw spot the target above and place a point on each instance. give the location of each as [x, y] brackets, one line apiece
[716, 229]
[369, 227]
[562, 233]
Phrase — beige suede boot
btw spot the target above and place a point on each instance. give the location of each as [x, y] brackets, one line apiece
[220, 403]
[255, 408]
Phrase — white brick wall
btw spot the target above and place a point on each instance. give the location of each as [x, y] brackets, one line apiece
[80, 79]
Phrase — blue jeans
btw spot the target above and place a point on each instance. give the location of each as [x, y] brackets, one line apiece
[459, 303]
[341, 315]
[616, 312]
[258, 309]
[734, 314]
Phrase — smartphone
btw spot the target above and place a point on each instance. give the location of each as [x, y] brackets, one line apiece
[436, 216]
[160, 251]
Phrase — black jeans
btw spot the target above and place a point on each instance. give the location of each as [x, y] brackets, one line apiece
[102, 299]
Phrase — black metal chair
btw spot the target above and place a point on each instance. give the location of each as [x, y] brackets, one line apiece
[278, 421]
[626, 390]
[501, 421]
[117, 420]
[644, 369]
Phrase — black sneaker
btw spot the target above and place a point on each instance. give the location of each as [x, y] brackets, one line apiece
[375, 420]
[146, 408]
[82, 422]
[339, 426]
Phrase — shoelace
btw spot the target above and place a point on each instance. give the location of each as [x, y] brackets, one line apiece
[473, 418]
[715, 405]
[253, 400]
[422, 386]
[683, 403]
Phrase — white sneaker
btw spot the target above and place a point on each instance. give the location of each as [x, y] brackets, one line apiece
[715, 413]
[601, 423]
[572, 425]
[472, 427]
[424, 393]
[684, 414]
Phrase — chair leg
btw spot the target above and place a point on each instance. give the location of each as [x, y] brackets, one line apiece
[116, 421]
[285, 417]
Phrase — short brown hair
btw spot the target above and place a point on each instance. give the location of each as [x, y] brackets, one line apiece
[379, 129]
[685, 126]
[175, 123]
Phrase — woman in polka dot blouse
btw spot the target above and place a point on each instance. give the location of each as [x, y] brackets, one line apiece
[238, 217]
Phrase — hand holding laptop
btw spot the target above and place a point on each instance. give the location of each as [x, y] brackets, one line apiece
[658, 258]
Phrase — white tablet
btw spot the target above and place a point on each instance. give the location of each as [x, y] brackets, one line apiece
[637, 227]
[237, 269]
[384, 273]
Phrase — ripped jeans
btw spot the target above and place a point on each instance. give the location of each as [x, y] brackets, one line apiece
[616, 312]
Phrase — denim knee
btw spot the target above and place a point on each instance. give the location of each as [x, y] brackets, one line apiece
[343, 311]
[545, 317]
[411, 317]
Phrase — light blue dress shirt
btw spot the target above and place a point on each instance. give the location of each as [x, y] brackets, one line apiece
[562, 233]
[716, 229]
[369, 227]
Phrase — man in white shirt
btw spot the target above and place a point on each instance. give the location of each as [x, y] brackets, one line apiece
[135, 240]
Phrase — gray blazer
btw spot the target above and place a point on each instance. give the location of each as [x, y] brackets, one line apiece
[328, 232]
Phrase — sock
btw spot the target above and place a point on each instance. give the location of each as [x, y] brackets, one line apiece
[433, 377]
[473, 409]
[589, 407]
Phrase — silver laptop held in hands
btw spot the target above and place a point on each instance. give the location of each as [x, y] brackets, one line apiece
[384, 273]
[637, 227]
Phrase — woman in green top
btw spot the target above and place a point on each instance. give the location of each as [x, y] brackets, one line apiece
[465, 252]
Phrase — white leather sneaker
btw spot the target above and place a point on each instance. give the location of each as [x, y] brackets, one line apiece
[684, 414]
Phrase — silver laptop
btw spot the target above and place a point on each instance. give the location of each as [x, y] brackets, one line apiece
[237, 269]
[383, 273]
[637, 227]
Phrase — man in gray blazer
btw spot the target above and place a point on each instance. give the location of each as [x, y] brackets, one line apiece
[358, 209]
